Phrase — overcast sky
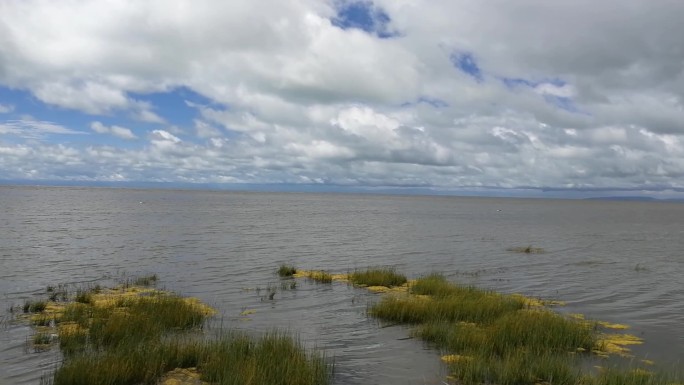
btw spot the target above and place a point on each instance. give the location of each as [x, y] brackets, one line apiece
[468, 94]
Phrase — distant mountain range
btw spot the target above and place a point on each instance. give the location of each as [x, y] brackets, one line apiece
[528, 192]
[633, 198]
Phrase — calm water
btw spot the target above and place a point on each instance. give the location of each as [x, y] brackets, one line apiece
[214, 245]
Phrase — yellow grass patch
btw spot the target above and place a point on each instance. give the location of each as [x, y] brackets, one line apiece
[609, 325]
[455, 358]
[537, 302]
[187, 376]
[317, 274]
[617, 344]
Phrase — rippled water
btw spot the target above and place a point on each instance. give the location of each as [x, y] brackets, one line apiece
[614, 261]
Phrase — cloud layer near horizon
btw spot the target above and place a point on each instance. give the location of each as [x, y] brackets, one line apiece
[563, 94]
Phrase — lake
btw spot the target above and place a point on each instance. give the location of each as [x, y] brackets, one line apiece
[614, 261]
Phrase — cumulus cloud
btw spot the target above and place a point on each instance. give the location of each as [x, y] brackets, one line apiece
[564, 94]
[118, 131]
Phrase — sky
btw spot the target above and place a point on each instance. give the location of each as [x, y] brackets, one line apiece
[464, 95]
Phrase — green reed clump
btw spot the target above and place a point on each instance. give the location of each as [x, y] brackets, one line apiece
[42, 320]
[434, 284]
[34, 306]
[275, 358]
[613, 376]
[286, 270]
[147, 280]
[147, 318]
[78, 313]
[321, 276]
[540, 331]
[493, 338]
[233, 359]
[42, 339]
[458, 337]
[131, 339]
[517, 367]
[387, 277]
[57, 293]
[479, 306]
[84, 296]
[135, 364]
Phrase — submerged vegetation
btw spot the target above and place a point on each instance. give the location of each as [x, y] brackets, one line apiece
[34, 306]
[491, 338]
[235, 358]
[286, 270]
[134, 334]
[319, 276]
[387, 277]
[527, 250]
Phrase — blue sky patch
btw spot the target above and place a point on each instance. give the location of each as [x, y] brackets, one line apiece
[521, 82]
[434, 102]
[466, 62]
[363, 15]
[173, 107]
[26, 106]
[564, 103]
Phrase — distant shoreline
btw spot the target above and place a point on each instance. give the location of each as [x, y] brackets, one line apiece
[484, 192]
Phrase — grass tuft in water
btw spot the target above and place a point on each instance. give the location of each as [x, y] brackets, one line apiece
[235, 358]
[321, 276]
[286, 270]
[34, 306]
[146, 280]
[465, 304]
[527, 250]
[387, 277]
[636, 376]
[492, 338]
[134, 335]
[42, 339]
[84, 296]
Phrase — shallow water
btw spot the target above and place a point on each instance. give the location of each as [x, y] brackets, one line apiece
[614, 261]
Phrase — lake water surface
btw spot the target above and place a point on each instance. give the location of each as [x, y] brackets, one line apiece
[614, 261]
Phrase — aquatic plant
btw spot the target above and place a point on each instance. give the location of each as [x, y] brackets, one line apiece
[42, 339]
[275, 358]
[235, 358]
[57, 293]
[493, 338]
[387, 277]
[527, 250]
[286, 270]
[34, 306]
[146, 280]
[84, 296]
[466, 305]
[134, 335]
[635, 376]
[517, 367]
[320, 276]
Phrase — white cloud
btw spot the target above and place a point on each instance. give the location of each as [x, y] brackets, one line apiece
[34, 129]
[6, 108]
[163, 136]
[599, 99]
[118, 131]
